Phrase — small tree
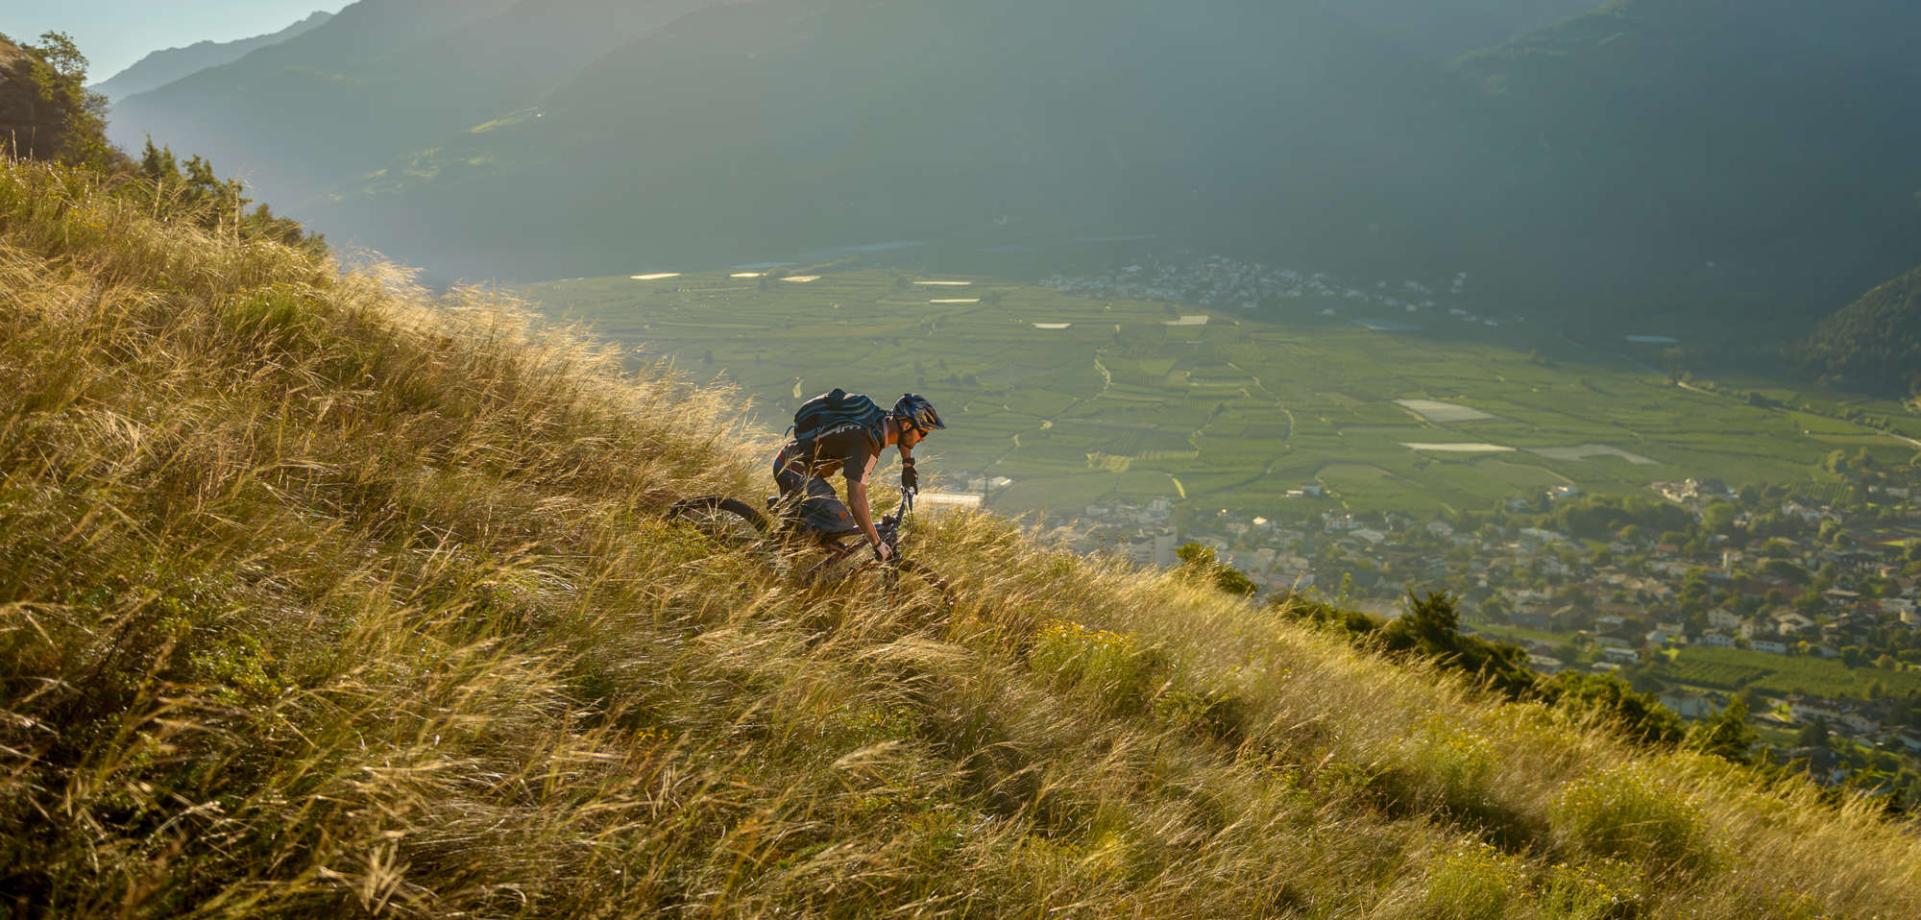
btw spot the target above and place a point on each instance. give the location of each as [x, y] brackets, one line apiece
[1813, 735]
[76, 119]
[1728, 735]
[1199, 560]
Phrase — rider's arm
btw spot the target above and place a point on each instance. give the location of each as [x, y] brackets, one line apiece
[863, 512]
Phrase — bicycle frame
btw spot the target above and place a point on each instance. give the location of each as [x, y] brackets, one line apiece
[841, 546]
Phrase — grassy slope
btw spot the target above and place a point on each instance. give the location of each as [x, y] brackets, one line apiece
[318, 597]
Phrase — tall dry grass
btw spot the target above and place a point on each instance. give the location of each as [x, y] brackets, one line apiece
[320, 596]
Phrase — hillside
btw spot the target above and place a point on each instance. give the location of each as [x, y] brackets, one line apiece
[1874, 343]
[1442, 31]
[163, 67]
[753, 131]
[381, 80]
[1750, 151]
[323, 597]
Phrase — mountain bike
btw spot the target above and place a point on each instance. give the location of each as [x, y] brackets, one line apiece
[782, 528]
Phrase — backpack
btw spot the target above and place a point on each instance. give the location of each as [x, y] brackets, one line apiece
[834, 411]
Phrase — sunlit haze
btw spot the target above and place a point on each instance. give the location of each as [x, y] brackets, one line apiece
[116, 33]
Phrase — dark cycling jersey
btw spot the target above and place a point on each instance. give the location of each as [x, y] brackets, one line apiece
[846, 450]
[801, 469]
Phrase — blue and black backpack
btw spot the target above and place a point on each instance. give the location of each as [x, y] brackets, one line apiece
[835, 411]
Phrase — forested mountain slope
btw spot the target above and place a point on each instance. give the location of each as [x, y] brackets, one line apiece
[1875, 342]
[750, 130]
[323, 597]
[1754, 147]
[383, 79]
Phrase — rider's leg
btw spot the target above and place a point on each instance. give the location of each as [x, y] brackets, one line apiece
[824, 513]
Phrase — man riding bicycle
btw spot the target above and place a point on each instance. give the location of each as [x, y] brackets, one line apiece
[849, 440]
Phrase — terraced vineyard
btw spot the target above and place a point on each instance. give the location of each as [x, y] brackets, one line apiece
[1734, 669]
[1076, 398]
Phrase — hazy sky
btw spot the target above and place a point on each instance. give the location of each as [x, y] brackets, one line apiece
[115, 33]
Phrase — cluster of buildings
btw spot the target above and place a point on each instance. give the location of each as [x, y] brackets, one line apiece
[1615, 605]
[1225, 283]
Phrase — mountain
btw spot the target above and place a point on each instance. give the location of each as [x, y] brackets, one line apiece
[1664, 149]
[1442, 30]
[1704, 167]
[1874, 343]
[163, 67]
[749, 130]
[382, 79]
[328, 599]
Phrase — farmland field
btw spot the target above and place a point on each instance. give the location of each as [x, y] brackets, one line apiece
[1077, 398]
[1733, 669]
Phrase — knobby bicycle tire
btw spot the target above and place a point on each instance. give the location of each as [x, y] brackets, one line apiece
[708, 510]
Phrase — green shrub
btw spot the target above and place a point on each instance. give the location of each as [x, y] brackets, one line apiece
[1627, 814]
[1214, 713]
[1473, 883]
[1603, 891]
[1116, 668]
[1453, 767]
[1200, 562]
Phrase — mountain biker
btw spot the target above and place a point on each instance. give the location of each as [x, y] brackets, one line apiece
[803, 465]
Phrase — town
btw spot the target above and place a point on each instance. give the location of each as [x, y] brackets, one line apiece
[1803, 600]
[1222, 282]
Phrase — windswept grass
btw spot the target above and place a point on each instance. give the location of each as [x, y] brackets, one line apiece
[320, 596]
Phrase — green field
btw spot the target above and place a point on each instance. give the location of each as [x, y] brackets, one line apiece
[1735, 669]
[1125, 402]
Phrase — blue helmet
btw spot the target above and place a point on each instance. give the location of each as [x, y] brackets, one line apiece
[918, 412]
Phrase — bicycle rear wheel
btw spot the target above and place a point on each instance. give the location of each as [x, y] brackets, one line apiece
[723, 519]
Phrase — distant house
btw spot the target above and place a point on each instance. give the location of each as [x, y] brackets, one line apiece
[1722, 618]
[1770, 646]
[1789, 623]
[1687, 705]
[1531, 617]
[1859, 724]
[1546, 664]
[1620, 655]
[1716, 640]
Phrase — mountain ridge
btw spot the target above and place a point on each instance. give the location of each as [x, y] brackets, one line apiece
[385, 78]
[1021, 120]
[1649, 163]
[158, 68]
